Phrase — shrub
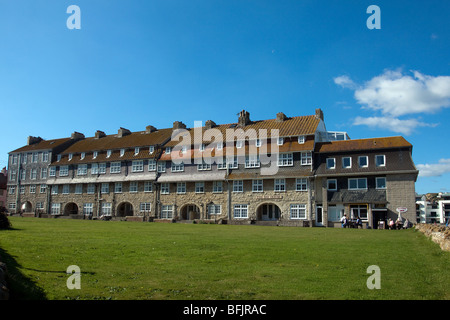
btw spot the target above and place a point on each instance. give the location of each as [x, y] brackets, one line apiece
[4, 221]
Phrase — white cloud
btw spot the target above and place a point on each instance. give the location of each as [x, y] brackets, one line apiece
[435, 169]
[395, 94]
[405, 127]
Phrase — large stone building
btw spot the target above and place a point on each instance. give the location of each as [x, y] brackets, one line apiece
[284, 171]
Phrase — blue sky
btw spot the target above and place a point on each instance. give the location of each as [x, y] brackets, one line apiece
[138, 63]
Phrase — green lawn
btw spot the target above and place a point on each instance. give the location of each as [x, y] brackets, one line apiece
[131, 260]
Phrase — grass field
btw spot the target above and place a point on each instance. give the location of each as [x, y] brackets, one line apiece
[130, 260]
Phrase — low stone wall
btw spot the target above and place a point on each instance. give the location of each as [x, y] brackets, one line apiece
[438, 234]
[4, 292]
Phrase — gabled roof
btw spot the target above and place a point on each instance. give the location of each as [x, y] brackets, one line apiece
[362, 144]
[42, 145]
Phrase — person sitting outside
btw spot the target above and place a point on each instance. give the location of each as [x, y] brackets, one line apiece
[344, 221]
[358, 223]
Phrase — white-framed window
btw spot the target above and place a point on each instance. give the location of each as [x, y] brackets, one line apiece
[34, 158]
[201, 147]
[12, 206]
[145, 207]
[232, 162]
[43, 188]
[88, 208]
[12, 190]
[148, 186]
[33, 174]
[54, 189]
[301, 139]
[162, 166]
[363, 161]
[331, 163]
[332, 184]
[23, 174]
[183, 149]
[137, 166]
[70, 156]
[63, 171]
[118, 187]
[358, 211]
[12, 174]
[136, 151]
[181, 187]
[258, 143]
[346, 162]
[105, 188]
[168, 150]
[219, 145]
[357, 183]
[257, 185]
[133, 186]
[78, 188]
[33, 188]
[45, 156]
[301, 184]
[199, 187]
[298, 211]
[115, 167]
[106, 208]
[83, 155]
[44, 173]
[102, 168]
[14, 158]
[90, 188]
[151, 165]
[239, 144]
[279, 185]
[108, 153]
[94, 168]
[166, 211]
[203, 166]
[285, 159]
[151, 149]
[217, 186]
[66, 189]
[122, 152]
[22, 189]
[240, 211]
[252, 161]
[177, 167]
[306, 158]
[380, 160]
[280, 141]
[40, 205]
[82, 169]
[380, 182]
[58, 157]
[165, 188]
[95, 155]
[238, 186]
[55, 209]
[214, 209]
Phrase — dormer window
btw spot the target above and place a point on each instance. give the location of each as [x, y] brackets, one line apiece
[59, 157]
[239, 144]
[258, 142]
[219, 145]
[201, 147]
[122, 152]
[168, 150]
[301, 139]
[70, 156]
[83, 154]
[183, 149]
[108, 153]
[151, 149]
[94, 156]
[280, 141]
[136, 151]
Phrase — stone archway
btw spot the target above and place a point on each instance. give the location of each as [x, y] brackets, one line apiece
[26, 207]
[190, 212]
[124, 209]
[70, 208]
[268, 212]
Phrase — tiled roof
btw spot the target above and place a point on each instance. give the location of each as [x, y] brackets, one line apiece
[362, 144]
[294, 126]
[42, 145]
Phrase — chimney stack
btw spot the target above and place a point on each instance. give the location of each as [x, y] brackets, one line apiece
[244, 118]
[178, 125]
[281, 117]
[210, 124]
[150, 129]
[32, 140]
[99, 134]
[319, 114]
[122, 132]
[77, 136]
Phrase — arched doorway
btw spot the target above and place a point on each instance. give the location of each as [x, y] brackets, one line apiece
[70, 208]
[27, 207]
[268, 212]
[190, 212]
[125, 209]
